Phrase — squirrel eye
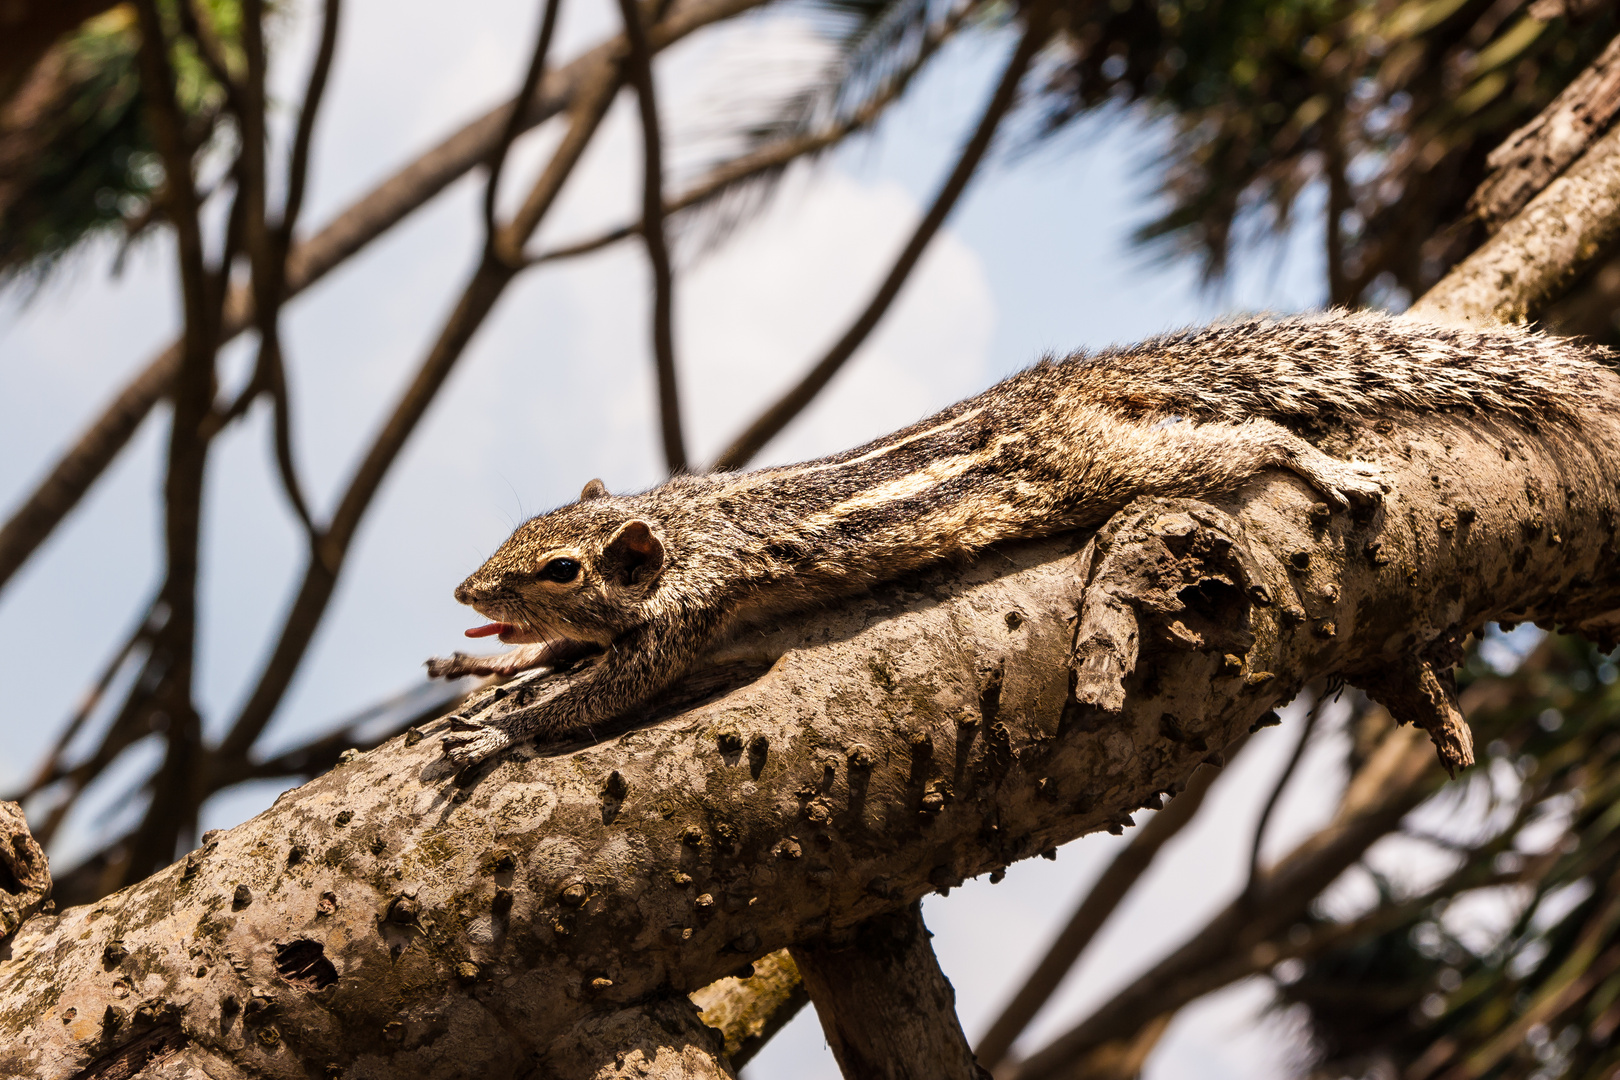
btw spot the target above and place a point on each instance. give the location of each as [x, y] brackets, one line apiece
[560, 570]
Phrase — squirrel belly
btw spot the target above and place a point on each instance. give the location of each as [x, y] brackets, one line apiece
[649, 583]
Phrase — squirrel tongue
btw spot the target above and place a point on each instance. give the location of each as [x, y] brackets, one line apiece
[489, 629]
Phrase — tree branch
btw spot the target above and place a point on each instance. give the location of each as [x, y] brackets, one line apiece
[1100, 901]
[478, 298]
[1533, 258]
[514, 121]
[898, 744]
[638, 64]
[1530, 158]
[886, 1007]
[775, 155]
[363, 221]
[1038, 30]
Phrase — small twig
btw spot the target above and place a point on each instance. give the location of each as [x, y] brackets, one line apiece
[514, 123]
[1277, 789]
[790, 404]
[639, 63]
[775, 155]
[314, 94]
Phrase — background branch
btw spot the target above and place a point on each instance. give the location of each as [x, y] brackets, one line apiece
[1038, 29]
[638, 64]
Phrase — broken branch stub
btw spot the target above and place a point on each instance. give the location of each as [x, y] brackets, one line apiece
[384, 920]
[25, 873]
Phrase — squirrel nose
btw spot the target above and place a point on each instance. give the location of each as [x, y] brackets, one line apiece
[464, 595]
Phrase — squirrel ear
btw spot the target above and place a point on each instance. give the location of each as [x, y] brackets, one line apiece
[593, 490]
[634, 555]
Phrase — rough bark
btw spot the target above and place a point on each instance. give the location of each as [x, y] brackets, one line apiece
[748, 1009]
[387, 919]
[1534, 257]
[25, 873]
[887, 1009]
[1529, 159]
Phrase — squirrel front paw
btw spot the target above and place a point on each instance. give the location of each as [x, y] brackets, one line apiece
[511, 662]
[479, 744]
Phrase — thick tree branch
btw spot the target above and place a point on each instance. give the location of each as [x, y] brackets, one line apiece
[887, 1009]
[897, 745]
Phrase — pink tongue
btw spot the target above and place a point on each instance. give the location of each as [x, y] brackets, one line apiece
[489, 629]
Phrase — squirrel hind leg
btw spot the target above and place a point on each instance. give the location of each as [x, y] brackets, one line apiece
[1221, 456]
[1342, 482]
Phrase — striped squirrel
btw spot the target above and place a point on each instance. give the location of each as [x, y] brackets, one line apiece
[646, 584]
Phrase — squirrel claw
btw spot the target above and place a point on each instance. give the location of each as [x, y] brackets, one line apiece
[463, 750]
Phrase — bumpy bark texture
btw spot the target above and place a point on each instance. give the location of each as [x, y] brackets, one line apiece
[25, 873]
[1538, 253]
[548, 915]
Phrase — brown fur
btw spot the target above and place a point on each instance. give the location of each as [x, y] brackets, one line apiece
[665, 575]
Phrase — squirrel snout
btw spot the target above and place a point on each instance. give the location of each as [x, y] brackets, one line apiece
[464, 593]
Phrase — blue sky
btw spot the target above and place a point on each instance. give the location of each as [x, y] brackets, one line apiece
[557, 389]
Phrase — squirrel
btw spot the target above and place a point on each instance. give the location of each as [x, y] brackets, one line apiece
[647, 584]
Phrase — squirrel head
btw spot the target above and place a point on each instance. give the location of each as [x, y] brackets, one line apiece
[578, 573]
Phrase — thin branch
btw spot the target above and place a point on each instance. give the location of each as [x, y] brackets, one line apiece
[1277, 789]
[775, 155]
[268, 261]
[1100, 901]
[777, 416]
[362, 222]
[477, 300]
[50, 770]
[192, 396]
[314, 94]
[638, 63]
[514, 120]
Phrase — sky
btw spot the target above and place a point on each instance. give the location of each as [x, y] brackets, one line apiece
[557, 389]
